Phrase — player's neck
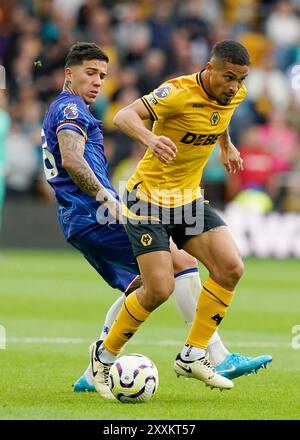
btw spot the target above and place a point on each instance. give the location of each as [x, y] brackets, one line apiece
[68, 88]
[205, 84]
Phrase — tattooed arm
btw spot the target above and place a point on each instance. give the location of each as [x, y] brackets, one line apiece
[71, 145]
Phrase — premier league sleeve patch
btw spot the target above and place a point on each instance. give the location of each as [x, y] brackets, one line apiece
[163, 91]
[71, 111]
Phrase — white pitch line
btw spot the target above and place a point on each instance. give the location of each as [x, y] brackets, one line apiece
[161, 343]
[46, 340]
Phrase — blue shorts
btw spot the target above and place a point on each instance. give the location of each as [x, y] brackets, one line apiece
[107, 248]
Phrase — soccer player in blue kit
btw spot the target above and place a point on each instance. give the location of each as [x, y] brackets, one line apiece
[76, 168]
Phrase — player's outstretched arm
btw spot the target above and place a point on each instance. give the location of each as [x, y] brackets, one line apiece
[72, 145]
[130, 121]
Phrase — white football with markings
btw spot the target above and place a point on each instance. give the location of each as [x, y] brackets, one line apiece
[133, 378]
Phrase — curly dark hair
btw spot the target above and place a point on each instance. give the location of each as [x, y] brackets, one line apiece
[232, 52]
[84, 51]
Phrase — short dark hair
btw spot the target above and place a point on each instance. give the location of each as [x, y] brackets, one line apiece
[232, 52]
[84, 51]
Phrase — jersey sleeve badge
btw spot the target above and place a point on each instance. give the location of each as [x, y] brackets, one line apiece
[71, 111]
[163, 91]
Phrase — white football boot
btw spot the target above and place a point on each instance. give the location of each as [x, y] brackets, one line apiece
[203, 370]
[100, 372]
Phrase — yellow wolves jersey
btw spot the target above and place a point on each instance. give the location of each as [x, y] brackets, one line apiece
[194, 121]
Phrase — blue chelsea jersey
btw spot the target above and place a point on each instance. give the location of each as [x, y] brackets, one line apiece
[76, 210]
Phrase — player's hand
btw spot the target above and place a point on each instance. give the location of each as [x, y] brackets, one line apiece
[231, 158]
[115, 210]
[111, 203]
[163, 148]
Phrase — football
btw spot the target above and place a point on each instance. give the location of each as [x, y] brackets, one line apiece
[133, 378]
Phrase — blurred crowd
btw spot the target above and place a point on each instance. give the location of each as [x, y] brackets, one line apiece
[147, 42]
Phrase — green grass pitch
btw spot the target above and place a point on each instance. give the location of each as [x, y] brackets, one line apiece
[53, 304]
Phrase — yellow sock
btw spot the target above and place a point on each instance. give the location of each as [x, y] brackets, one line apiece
[128, 320]
[211, 309]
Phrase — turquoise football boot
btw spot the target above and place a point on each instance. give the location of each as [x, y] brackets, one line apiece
[82, 385]
[236, 365]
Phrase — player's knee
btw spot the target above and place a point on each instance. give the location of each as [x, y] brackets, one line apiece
[182, 261]
[229, 274]
[160, 292]
[234, 271]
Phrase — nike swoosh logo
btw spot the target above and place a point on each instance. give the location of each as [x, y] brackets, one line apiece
[94, 372]
[188, 370]
[233, 368]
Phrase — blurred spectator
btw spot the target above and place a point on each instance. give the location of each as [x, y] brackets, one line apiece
[198, 30]
[259, 167]
[241, 14]
[180, 55]
[85, 14]
[161, 25]
[22, 161]
[283, 143]
[283, 28]
[267, 87]
[280, 139]
[99, 28]
[258, 45]
[69, 9]
[270, 152]
[132, 36]
[152, 72]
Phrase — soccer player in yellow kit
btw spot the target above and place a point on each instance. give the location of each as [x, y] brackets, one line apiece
[191, 113]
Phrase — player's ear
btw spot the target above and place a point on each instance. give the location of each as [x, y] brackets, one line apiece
[209, 66]
[68, 73]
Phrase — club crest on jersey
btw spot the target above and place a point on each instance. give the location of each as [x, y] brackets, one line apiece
[146, 239]
[71, 111]
[215, 118]
[162, 92]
